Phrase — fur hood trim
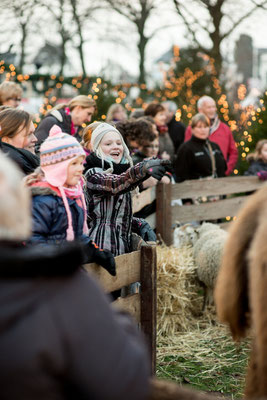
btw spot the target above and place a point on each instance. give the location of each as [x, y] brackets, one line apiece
[18, 261]
[43, 191]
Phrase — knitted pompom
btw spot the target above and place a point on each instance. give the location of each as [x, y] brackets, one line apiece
[55, 130]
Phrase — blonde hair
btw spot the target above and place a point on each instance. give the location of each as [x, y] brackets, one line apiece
[112, 110]
[8, 90]
[199, 118]
[15, 206]
[87, 134]
[256, 155]
[81, 100]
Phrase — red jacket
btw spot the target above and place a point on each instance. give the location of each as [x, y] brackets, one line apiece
[224, 138]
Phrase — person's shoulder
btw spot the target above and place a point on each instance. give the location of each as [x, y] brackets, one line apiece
[45, 195]
[225, 127]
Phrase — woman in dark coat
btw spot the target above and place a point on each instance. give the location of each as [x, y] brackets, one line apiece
[69, 117]
[258, 160]
[18, 138]
[59, 337]
[199, 158]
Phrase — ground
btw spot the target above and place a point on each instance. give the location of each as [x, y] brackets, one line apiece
[205, 359]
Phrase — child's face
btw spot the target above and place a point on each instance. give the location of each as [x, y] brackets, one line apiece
[75, 170]
[111, 145]
[264, 152]
[151, 149]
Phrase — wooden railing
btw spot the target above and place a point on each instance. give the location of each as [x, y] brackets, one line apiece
[138, 266]
[233, 192]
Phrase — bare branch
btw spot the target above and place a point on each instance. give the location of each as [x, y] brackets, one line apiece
[245, 16]
[188, 24]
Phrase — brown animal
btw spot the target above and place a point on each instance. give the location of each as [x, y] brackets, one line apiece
[241, 289]
[166, 390]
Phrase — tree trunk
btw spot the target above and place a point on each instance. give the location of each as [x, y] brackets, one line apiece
[22, 46]
[215, 36]
[142, 48]
[80, 34]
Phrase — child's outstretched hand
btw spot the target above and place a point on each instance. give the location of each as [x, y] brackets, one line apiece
[102, 257]
[156, 167]
[262, 175]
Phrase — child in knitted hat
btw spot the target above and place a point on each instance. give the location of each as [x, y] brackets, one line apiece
[110, 177]
[59, 209]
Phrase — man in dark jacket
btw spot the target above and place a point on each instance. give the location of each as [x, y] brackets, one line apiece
[59, 337]
[176, 128]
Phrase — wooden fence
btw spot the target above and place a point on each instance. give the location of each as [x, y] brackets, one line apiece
[138, 266]
[233, 192]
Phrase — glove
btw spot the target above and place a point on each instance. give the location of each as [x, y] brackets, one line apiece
[262, 175]
[146, 232]
[102, 257]
[156, 167]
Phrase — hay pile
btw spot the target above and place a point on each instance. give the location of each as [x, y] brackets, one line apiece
[180, 296]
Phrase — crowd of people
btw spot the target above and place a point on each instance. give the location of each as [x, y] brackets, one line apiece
[81, 182]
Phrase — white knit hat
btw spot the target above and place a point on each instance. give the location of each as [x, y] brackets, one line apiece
[98, 134]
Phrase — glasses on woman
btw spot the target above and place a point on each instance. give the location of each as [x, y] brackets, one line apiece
[152, 146]
[17, 99]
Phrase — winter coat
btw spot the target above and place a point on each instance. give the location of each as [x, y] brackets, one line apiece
[176, 132]
[165, 142]
[59, 337]
[50, 222]
[256, 166]
[109, 206]
[194, 161]
[25, 160]
[224, 138]
[56, 117]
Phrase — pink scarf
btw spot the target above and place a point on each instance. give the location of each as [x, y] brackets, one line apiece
[72, 128]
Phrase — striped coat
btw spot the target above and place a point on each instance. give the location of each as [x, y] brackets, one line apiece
[109, 207]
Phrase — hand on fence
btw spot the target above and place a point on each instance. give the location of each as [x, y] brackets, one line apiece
[102, 257]
[156, 167]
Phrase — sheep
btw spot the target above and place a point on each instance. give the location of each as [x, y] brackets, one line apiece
[207, 241]
[240, 293]
[207, 252]
[184, 235]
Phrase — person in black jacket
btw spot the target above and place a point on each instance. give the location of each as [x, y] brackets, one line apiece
[176, 128]
[59, 337]
[258, 159]
[18, 138]
[69, 117]
[199, 158]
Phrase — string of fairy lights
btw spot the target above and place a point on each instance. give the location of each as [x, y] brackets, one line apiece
[171, 89]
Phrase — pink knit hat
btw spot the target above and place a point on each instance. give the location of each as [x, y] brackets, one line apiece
[56, 152]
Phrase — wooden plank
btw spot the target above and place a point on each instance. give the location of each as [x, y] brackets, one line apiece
[208, 211]
[128, 271]
[144, 198]
[149, 298]
[131, 303]
[164, 216]
[218, 186]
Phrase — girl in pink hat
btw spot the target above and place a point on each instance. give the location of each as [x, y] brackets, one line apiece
[58, 205]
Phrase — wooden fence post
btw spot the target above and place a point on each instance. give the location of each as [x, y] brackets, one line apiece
[164, 212]
[149, 298]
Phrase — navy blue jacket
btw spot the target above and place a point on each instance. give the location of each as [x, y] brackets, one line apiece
[50, 222]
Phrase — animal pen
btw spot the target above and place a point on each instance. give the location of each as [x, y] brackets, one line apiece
[231, 191]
